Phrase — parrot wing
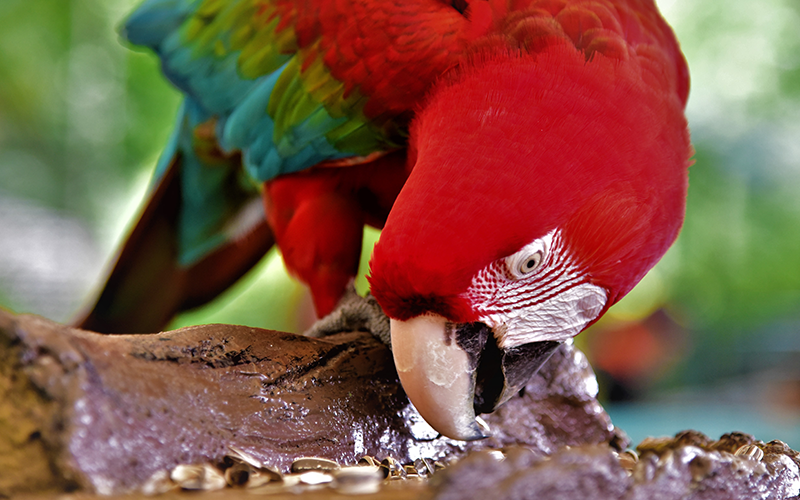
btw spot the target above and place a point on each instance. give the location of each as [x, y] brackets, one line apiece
[293, 84]
[223, 227]
[272, 87]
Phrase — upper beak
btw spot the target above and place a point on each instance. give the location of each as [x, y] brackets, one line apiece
[451, 371]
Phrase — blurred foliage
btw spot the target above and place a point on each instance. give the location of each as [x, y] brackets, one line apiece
[83, 117]
[81, 121]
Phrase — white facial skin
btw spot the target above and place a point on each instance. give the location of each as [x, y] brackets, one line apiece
[535, 294]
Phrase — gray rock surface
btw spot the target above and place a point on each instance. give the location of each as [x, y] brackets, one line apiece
[689, 466]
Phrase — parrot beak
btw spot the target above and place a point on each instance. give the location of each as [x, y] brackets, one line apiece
[452, 371]
[437, 375]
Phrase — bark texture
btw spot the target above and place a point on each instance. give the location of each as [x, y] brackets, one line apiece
[104, 413]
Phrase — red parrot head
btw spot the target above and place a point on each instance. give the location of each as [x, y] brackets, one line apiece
[543, 188]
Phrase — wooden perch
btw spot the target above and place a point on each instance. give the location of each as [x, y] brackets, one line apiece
[104, 413]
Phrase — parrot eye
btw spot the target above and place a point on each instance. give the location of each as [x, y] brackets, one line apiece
[531, 263]
[529, 258]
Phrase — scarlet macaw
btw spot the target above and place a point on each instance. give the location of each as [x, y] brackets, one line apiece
[527, 160]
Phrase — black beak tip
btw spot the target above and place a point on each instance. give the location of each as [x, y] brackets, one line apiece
[480, 430]
[502, 373]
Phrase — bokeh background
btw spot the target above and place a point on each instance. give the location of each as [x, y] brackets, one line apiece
[709, 340]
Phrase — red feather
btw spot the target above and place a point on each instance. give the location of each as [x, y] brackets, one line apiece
[530, 115]
[515, 144]
[519, 116]
[318, 216]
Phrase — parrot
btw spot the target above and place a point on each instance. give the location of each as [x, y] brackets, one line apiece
[526, 161]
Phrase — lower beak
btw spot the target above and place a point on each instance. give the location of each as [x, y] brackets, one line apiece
[452, 371]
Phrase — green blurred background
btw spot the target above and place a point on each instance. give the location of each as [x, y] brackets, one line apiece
[709, 340]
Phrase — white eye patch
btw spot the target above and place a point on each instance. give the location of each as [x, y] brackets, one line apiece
[536, 294]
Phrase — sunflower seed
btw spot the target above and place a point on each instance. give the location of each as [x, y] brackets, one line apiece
[313, 463]
[158, 483]
[262, 476]
[198, 477]
[628, 460]
[238, 474]
[497, 455]
[315, 478]
[238, 454]
[358, 480]
[411, 472]
[750, 451]
[245, 470]
[394, 468]
[425, 467]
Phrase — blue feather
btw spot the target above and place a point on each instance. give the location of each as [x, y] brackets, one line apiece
[207, 71]
[155, 19]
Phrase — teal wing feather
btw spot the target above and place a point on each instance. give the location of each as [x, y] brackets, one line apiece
[239, 64]
[261, 100]
[244, 77]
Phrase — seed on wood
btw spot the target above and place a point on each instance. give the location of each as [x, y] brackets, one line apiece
[198, 477]
[750, 451]
[628, 460]
[394, 468]
[358, 480]
[313, 463]
[158, 483]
